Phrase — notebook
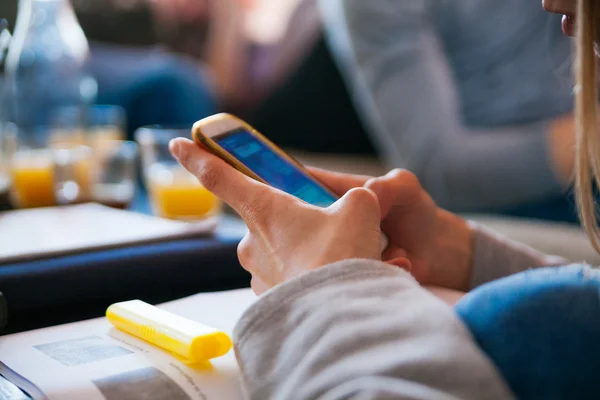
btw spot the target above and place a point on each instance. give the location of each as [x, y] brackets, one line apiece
[54, 231]
[92, 360]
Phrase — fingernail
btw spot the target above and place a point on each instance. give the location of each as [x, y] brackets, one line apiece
[174, 147]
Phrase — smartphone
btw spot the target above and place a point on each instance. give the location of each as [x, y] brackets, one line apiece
[248, 151]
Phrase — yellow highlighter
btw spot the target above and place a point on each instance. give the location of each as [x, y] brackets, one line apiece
[190, 340]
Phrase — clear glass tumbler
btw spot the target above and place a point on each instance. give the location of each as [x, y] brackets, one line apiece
[174, 192]
[114, 173]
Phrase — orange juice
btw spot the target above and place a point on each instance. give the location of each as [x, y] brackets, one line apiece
[32, 174]
[176, 194]
[99, 136]
[67, 137]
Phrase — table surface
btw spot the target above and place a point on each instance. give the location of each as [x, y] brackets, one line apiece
[69, 288]
[74, 287]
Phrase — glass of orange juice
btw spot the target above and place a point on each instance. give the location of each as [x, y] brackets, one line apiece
[114, 173]
[174, 192]
[90, 126]
[31, 169]
[67, 127]
[45, 173]
[32, 178]
[7, 148]
[72, 173]
[105, 123]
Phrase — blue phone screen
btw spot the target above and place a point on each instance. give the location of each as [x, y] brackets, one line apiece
[274, 169]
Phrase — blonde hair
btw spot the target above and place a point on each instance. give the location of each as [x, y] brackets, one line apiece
[587, 170]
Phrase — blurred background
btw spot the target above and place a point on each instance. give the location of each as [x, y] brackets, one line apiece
[481, 115]
[159, 62]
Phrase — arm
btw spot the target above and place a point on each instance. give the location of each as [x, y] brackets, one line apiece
[225, 47]
[248, 67]
[228, 51]
[480, 253]
[401, 79]
[495, 257]
[360, 329]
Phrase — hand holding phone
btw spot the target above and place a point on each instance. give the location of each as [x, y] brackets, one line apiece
[245, 149]
[287, 237]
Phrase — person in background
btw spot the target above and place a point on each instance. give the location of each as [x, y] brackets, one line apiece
[240, 53]
[276, 73]
[337, 319]
[153, 85]
[472, 96]
[264, 60]
[246, 61]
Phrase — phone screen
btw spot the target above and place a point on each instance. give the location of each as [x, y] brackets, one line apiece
[277, 171]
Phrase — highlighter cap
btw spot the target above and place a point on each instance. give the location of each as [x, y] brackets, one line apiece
[191, 341]
[210, 346]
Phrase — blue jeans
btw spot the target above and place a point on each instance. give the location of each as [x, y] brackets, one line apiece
[541, 328]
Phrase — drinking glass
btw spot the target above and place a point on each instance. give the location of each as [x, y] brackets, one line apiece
[114, 173]
[32, 178]
[7, 149]
[32, 169]
[174, 192]
[105, 123]
[72, 169]
[67, 127]
[91, 126]
[45, 173]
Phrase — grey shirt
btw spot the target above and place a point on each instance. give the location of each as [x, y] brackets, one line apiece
[360, 329]
[458, 91]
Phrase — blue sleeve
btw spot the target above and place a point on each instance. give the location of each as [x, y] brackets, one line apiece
[541, 329]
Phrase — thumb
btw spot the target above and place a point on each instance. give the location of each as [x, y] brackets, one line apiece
[398, 187]
[360, 202]
[386, 189]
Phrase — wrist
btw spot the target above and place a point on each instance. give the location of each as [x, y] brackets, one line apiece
[453, 252]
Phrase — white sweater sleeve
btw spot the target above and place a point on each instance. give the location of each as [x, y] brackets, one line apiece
[360, 329]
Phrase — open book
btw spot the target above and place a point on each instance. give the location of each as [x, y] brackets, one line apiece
[92, 360]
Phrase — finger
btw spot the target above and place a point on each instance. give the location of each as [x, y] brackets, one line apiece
[338, 182]
[247, 196]
[397, 187]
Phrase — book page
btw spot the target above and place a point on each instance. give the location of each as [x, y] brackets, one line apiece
[92, 360]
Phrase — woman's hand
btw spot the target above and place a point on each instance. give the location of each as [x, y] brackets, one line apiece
[437, 243]
[287, 237]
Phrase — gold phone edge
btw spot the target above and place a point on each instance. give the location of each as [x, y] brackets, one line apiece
[211, 145]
